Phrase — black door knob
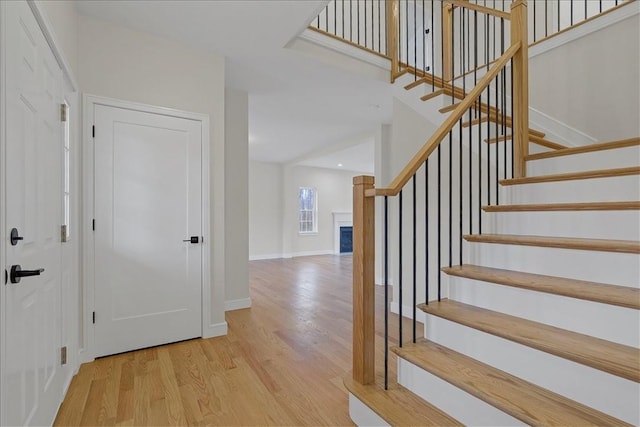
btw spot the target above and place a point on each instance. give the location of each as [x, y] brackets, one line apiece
[17, 273]
[192, 239]
[15, 237]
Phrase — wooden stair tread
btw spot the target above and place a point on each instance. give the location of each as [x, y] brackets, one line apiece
[546, 143]
[397, 405]
[543, 207]
[523, 400]
[621, 296]
[585, 149]
[614, 358]
[603, 173]
[416, 83]
[604, 245]
[432, 94]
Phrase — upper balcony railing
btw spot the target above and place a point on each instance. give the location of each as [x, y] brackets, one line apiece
[410, 32]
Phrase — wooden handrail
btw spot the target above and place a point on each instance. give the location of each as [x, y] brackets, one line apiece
[477, 7]
[435, 140]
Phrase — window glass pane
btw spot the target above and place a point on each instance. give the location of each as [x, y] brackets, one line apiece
[307, 210]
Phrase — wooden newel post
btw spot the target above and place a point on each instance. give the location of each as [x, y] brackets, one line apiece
[393, 33]
[520, 113]
[363, 281]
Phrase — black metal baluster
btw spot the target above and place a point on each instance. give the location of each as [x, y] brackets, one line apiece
[400, 270]
[450, 198]
[432, 66]
[426, 231]
[406, 32]
[600, 6]
[488, 151]
[558, 3]
[335, 17]
[479, 174]
[415, 293]
[350, 20]
[358, 20]
[498, 118]
[386, 293]
[439, 266]
[585, 10]
[342, 18]
[415, 40]
[546, 18]
[504, 106]
[373, 40]
[512, 119]
[365, 24]
[571, 19]
[424, 42]
[326, 18]
[534, 21]
[379, 19]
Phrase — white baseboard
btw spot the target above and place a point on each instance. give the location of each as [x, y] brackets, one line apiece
[237, 304]
[579, 31]
[215, 330]
[308, 253]
[266, 256]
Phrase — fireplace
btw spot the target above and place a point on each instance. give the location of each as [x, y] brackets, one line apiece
[342, 233]
[346, 239]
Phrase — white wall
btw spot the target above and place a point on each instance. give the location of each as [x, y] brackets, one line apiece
[120, 63]
[592, 83]
[236, 187]
[265, 210]
[335, 194]
[273, 205]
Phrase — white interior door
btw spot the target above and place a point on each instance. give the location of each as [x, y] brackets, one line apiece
[148, 201]
[32, 379]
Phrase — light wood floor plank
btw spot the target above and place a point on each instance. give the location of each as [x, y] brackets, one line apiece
[281, 363]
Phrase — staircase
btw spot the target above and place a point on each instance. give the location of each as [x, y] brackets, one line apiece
[541, 326]
[520, 254]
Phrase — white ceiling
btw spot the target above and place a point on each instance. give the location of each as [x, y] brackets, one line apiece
[297, 104]
[357, 158]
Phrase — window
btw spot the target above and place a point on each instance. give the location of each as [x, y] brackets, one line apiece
[67, 176]
[307, 210]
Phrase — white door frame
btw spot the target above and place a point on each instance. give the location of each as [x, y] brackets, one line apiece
[87, 352]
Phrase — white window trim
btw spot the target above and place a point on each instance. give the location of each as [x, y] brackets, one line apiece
[314, 223]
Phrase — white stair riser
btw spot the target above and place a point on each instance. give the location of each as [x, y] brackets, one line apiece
[362, 415]
[611, 323]
[613, 189]
[606, 159]
[617, 225]
[464, 407]
[607, 393]
[604, 267]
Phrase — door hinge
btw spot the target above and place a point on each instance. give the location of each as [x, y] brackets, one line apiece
[63, 112]
[94, 317]
[93, 224]
[63, 233]
[93, 131]
[63, 355]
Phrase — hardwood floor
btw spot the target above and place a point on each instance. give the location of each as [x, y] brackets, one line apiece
[281, 363]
